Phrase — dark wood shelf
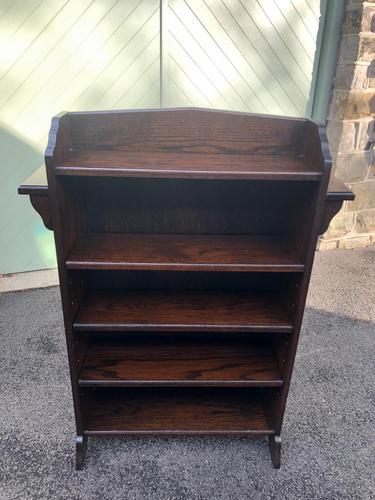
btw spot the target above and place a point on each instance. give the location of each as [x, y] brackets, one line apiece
[183, 253]
[36, 184]
[174, 165]
[176, 411]
[182, 311]
[181, 362]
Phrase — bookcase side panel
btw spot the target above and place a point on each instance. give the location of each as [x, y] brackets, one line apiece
[294, 295]
[65, 222]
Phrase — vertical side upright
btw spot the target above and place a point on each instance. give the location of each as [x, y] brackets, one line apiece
[65, 221]
[315, 143]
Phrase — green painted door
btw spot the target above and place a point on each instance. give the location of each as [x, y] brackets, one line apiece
[260, 56]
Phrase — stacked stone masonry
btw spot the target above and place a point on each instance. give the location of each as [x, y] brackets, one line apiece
[351, 128]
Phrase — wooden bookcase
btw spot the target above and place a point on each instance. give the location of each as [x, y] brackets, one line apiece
[185, 241]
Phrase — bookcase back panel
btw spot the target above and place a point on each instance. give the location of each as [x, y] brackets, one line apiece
[198, 131]
[159, 280]
[167, 206]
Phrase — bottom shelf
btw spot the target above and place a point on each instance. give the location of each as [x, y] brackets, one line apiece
[176, 411]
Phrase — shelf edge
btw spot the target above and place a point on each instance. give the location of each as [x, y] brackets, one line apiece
[113, 327]
[287, 268]
[186, 174]
[179, 383]
[254, 432]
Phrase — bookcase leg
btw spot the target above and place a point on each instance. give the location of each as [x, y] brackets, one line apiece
[81, 447]
[274, 442]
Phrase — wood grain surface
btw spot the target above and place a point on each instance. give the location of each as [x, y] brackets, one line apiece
[176, 411]
[182, 311]
[183, 252]
[188, 165]
[182, 362]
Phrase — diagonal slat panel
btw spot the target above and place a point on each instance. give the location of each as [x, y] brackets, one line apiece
[210, 58]
[182, 89]
[199, 76]
[46, 78]
[254, 54]
[63, 55]
[201, 25]
[256, 29]
[247, 55]
[289, 25]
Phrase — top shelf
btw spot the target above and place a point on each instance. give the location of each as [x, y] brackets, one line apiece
[175, 165]
[36, 184]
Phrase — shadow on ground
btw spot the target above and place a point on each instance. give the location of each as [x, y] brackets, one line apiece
[328, 438]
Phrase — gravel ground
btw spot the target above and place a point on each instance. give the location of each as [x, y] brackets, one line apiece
[328, 435]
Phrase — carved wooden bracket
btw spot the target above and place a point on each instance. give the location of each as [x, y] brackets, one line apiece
[331, 208]
[42, 206]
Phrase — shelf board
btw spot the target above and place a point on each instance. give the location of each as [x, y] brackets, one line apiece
[181, 362]
[183, 253]
[176, 411]
[182, 311]
[174, 165]
[37, 184]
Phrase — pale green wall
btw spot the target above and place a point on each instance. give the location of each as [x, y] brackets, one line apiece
[254, 55]
[251, 55]
[63, 55]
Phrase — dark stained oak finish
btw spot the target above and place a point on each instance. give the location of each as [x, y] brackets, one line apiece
[173, 165]
[183, 252]
[163, 362]
[187, 130]
[181, 311]
[140, 199]
[41, 205]
[176, 411]
[37, 184]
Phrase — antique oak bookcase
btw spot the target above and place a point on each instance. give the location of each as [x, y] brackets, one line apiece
[185, 240]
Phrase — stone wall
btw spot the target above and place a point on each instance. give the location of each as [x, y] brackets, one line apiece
[351, 128]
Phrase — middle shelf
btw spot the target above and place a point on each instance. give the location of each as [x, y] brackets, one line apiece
[182, 311]
[163, 360]
[186, 252]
